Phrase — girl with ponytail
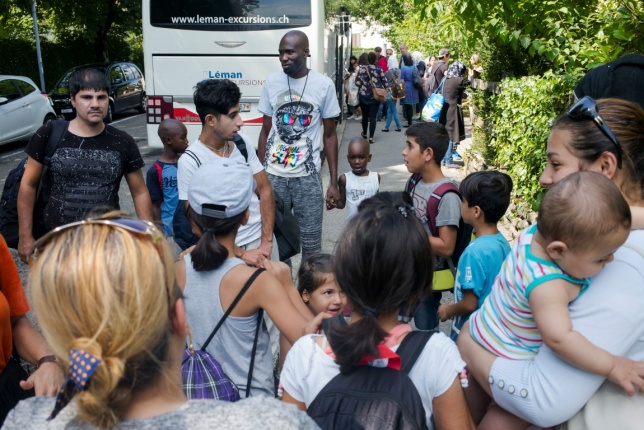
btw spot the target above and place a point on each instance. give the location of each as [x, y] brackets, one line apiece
[212, 276]
[383, 264]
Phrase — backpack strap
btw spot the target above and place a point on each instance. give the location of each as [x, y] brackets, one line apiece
[411, 347]
[192, 155]
[240, 143]
[160, 176]
[232, 306]
[412, 181]
[434, 201]
[58, 130]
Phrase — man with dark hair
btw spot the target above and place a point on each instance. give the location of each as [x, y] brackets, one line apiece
[85, 171]
[217, 103]
[438, 70]
[298, 104]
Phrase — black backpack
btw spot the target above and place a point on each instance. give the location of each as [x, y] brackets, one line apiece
[9, 199]
[286, 228]
[464, 232]
[370, 397]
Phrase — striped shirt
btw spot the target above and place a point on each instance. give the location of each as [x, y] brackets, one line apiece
[504, 325]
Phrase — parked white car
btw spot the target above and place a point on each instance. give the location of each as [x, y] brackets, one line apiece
[23, 108]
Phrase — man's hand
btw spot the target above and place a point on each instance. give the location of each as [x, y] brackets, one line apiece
[26, 247]
[332, 196]
[266, 248]
[252, 257]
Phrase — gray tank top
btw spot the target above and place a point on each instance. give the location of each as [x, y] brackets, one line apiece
[233, 343]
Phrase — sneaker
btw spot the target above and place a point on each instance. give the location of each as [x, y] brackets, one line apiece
[453, 166]
[358, 118]
[415, 117]
[456, 156]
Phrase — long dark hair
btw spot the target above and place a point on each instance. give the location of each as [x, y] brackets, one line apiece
[209, 254]
[383, 263]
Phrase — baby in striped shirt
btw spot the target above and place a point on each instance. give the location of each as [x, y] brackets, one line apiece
[582, 221]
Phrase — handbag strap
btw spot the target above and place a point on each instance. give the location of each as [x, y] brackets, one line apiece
[370, 78]
[232, 306]
[260, 315]
[439, 87]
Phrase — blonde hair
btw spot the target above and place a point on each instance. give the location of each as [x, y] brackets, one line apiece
[108, 292]
[476, 58]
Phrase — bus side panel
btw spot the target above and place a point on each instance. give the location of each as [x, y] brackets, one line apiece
[178, 75]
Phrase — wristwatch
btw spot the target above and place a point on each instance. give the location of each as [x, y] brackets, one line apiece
[46, 359]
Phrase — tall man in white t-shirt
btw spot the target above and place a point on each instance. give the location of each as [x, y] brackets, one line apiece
[298, 104]
[217, 103]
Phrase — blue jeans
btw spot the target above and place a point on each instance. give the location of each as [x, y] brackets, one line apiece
[449, 155]
[426, 315]
[380, 107]
[392, 112]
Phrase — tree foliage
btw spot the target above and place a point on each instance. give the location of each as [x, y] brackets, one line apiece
[70, 20]
[569, 34]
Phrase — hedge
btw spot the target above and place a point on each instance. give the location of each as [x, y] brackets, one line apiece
[515, 125]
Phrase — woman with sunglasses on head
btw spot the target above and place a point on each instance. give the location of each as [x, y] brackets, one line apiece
[607, 137]
[104, 292]
[212, 277]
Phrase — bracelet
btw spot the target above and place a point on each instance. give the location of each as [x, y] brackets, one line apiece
[46, 359]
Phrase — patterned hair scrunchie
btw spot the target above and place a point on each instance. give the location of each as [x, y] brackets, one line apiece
[82, 366]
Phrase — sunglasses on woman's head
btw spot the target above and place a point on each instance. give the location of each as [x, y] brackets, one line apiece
[289, 118]
[134, 226]
[586, 107]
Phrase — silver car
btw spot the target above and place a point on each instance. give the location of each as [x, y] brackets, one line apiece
[23, 108]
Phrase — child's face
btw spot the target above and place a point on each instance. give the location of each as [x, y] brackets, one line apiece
[328, 297]
[179, 142]
[467, 212]
[414, 158]
[358, 157]
[590, 260]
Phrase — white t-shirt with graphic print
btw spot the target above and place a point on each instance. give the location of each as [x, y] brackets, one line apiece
[297, 107]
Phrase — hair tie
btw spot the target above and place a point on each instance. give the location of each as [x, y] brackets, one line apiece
[369, 312]
[210, 230]
[404, 210]
[82, 366]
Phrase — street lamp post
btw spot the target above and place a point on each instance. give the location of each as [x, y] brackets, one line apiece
[41, 71]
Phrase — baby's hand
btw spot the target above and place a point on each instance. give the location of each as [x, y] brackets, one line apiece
[628, 374]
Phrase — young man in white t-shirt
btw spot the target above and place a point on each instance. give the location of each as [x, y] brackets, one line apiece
[217, 103]
[298, 104]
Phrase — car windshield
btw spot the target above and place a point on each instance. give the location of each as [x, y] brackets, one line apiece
[64, 81]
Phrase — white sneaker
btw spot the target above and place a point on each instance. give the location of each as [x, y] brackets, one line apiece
[415, 117]
[358, 118]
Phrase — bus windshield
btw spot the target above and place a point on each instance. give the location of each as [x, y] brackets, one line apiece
[230, 15]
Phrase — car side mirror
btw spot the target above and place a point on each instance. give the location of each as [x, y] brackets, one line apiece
[3, 100]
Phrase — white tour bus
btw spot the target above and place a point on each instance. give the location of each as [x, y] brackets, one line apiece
[188, 41]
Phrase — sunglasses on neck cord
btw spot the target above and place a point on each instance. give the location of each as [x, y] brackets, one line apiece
[586, 107]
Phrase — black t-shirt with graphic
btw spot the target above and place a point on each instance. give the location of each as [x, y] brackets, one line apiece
[85, 172]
